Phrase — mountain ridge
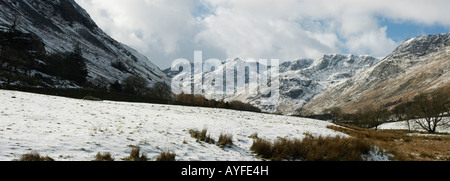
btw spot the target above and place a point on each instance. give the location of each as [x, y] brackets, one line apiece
[353, 82]
[62, 25]
[300, 80]
[419, 64]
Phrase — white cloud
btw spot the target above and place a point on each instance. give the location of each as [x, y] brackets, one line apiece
[157, 21]
[157, 28]
[284, 29]
[247, 36]
[374, 41]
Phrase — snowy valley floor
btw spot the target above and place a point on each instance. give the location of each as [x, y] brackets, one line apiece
[76, 130]
[71, 129]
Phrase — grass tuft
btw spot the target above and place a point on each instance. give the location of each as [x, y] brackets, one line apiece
[262, 148]
[225, 140]
[202, 136]
[166, 157]
[135, 155]
[32, 157]
[253, 136]
[103, 157]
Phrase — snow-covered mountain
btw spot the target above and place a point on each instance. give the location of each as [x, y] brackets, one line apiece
[303, 79]
[300, 80]
[299, 84]
[419, 64]
[63, 24]
[355, 82]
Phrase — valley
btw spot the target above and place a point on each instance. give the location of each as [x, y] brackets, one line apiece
[71, 92]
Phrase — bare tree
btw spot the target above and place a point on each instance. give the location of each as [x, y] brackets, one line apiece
[429, 109]
[402, 113]
[372, 116]
[135, 85]
[335, 112]
[378, 116]
[162, 91]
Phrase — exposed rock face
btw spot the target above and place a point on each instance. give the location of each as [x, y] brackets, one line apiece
[354, 82]
[419, 64]
[300, 80]
[303, 79]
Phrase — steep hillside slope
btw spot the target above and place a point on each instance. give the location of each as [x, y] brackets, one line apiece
[419, 64]
[61, 25]
[299, 86]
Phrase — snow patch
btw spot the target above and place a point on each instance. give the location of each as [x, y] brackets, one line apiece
[414, 126]
[71, 129]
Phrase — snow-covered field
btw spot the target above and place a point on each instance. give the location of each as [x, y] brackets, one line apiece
[413, 125]
[71, 129]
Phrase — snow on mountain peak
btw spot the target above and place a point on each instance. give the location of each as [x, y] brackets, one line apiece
[417, 65]
[301, 80]
[63, 24]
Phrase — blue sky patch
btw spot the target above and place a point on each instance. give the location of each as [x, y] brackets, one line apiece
[402, 31]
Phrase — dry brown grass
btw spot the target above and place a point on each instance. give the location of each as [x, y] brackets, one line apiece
[225, 140]
[312, 149]
[103, 157]
[34, 157]
[136, 156]
[403, 146]
[202, 136]
[262, 147]
[166, 157]
[253, 136]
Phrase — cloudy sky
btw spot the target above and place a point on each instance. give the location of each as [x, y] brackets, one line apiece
[165, 30]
